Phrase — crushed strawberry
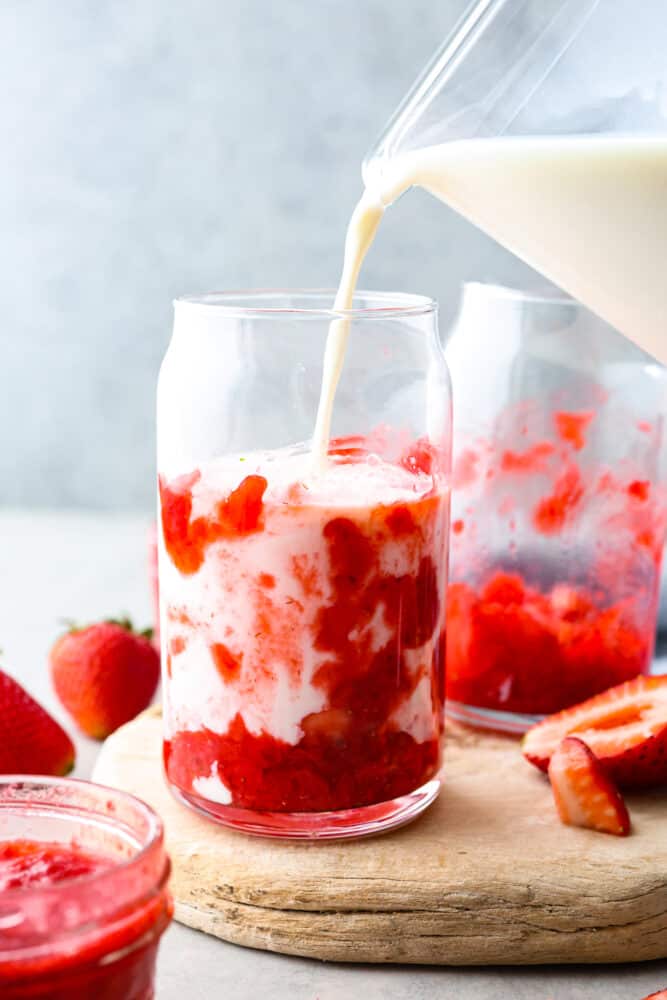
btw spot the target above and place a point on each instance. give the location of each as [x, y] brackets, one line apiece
[571, 427]
[186, 539]
[25, 863]
[512, 647]
[553, 512]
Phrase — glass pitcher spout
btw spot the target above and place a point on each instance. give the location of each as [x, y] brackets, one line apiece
[483, 75]
[544, 123]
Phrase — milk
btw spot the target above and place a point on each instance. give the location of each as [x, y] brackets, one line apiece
[361, 232]
[589, 212]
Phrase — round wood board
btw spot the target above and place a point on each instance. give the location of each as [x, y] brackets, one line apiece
[487, 876]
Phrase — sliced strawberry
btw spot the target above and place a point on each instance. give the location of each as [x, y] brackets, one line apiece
[660, 995]
[31, 741]
[625, 727]
[583, 793]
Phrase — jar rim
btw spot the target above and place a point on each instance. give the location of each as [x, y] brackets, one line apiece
[308, 303]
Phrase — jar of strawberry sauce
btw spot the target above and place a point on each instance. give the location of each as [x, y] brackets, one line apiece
[559, 507]
[83, 891]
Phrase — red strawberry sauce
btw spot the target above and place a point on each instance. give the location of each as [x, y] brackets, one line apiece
[187, 538]
[512, 647]
[353, 625]
[25, 863]
[76, 925]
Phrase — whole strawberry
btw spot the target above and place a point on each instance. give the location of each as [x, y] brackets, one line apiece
[31, 741]
[104, 674]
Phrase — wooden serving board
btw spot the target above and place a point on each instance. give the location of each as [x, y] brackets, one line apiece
[487, 876]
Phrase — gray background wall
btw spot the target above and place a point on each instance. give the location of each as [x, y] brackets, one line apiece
[155, 147]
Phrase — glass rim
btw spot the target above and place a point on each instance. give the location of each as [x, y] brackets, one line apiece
[537, 297]
[251, 303]
[558, 299]
[154, 835]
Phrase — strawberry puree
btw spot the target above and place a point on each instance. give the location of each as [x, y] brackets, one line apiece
[513, 648]
[106, 962]
[308, 671]
[24, 863]
[571, 427]
[554, 511]
[186, 537]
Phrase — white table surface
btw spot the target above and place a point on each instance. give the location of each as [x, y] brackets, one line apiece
[87, 566]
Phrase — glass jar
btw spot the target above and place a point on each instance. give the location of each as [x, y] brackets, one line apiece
[302, 607]
[92, 936]
[558, 508]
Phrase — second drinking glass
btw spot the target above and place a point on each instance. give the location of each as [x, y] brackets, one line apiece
[559, 507]
[302, 608]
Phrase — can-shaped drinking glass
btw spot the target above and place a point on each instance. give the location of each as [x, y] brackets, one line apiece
[303, 602]
[558, 510]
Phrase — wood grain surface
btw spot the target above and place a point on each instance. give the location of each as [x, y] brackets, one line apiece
[487, 876]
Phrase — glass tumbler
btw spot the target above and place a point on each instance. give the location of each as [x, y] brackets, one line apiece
[558, 507]
[302, 605]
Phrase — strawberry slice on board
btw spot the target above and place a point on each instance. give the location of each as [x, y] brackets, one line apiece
[660, 995]
[31, 741]
[583, 793]
[625, 727]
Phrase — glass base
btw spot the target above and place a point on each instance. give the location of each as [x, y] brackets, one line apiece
[489, 718]
[340, 824]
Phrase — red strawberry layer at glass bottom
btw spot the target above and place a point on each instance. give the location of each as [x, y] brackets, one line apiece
[322, 772]
[512, 648]
[108, 962]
